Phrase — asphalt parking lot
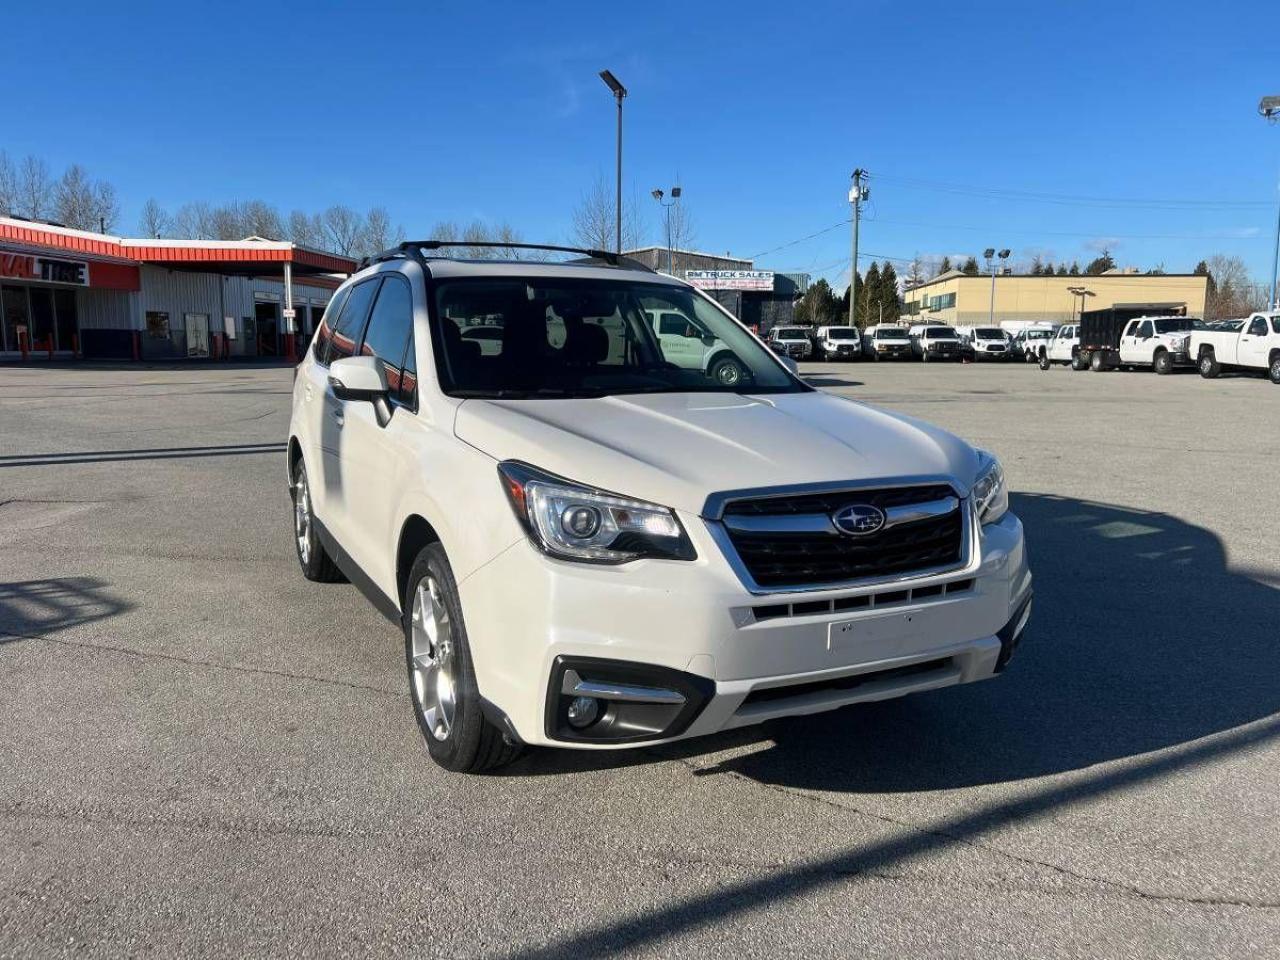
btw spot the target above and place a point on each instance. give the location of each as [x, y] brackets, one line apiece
[204, 753]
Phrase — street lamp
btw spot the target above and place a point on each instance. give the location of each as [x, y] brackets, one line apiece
[987, 255]
[668, 204]
[1269, 107]
[1080, 292]
[619, 93]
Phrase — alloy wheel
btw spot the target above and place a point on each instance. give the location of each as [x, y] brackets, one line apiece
[302, 517]
[434, 674]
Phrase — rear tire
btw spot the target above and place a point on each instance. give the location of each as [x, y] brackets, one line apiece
[442, 680]
[1208, 366]
[315, 562]
[727, 372]
[1273, 372]
[1097, 361]
[1044, 361]
[1077, 363]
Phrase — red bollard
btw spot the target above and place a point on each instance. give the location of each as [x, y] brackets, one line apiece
[49, 343]
[75, 346]
[22, 345]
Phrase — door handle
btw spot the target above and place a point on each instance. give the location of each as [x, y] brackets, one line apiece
[338, 417]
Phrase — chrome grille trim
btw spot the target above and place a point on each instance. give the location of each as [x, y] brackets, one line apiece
[717, 527]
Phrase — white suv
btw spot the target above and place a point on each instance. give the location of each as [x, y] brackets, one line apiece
[587, 544]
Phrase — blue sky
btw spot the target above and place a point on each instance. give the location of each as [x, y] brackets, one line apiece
[453, 111]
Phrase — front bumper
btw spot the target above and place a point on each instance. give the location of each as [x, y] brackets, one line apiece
[529, 616]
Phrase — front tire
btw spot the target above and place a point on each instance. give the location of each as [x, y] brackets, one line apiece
[1208, 366]
[1044, 361]
[315, 562]
[1163, 363]
[442, 681]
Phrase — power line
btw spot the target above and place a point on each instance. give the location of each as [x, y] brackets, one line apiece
[1065, 233]
[1013, 193]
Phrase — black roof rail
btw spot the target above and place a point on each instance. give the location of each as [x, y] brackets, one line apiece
[412, 250]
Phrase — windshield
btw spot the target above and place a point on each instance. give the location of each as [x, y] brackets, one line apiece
[1039, 334]
[940, 333]
[842, 333]
[560, 337]
[892, 333]
[791, 333]
[989, 333]
[1173, 325]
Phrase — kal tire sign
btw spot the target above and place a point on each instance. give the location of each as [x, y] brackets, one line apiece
[29, 266]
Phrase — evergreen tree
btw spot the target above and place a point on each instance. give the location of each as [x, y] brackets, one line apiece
[946, 265]
[970, 268]
[1075, 269]
[889, 284]
[869, 296]
[1038, 267]
[1100, 264]
[1211, 286]
[1062, 270]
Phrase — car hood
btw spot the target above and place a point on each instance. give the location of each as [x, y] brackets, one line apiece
[677, 448]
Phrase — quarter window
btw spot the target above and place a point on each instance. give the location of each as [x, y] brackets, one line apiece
[324, 332]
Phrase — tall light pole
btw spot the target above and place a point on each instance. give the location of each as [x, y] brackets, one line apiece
[1080, 292]
[987, 255]
[857, 193]
[619, 94]
[1269, 107]
[675, 198]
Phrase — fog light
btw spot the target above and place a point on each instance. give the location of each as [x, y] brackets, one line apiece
[583, 712]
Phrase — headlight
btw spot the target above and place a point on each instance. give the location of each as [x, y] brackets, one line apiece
[574, 522]
[990, 495]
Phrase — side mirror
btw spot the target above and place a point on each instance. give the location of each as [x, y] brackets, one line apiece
[791, 365]
[358, 378]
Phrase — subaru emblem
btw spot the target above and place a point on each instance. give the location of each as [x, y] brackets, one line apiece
[858, 519]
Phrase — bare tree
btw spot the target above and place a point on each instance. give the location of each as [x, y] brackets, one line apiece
[194, 221]
[84, 204]
[378, 233]
[305, 229]
[153, 222]
[683, 234]
[260, 219]
[1231, 292]
[35, 189]
[594, 219]
[342, 229]
[8, 185]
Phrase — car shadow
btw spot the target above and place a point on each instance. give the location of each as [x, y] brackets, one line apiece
[1142, 638]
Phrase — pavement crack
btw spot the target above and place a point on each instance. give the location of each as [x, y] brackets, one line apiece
[1120, 887]
[193, 662]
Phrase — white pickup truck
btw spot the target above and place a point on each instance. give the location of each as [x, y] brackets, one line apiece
[1255, 344]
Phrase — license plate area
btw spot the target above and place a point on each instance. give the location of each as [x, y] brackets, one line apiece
[878, 637]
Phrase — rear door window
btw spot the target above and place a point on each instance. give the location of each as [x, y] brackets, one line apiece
[389, 336]
[350, 325]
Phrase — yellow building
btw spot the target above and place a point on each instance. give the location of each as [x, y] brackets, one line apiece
[961, 300]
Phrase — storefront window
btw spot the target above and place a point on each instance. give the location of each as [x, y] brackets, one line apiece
[41, 318]
[64, 303]
[16, 319]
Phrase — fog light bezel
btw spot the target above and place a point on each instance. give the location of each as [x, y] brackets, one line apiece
[625, 721]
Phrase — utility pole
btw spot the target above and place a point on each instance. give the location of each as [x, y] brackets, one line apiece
[857, 193]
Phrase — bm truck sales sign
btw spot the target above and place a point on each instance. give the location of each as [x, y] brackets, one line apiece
[731, 279]
[32, 267]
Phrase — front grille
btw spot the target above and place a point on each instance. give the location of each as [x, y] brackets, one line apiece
[792, 559]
